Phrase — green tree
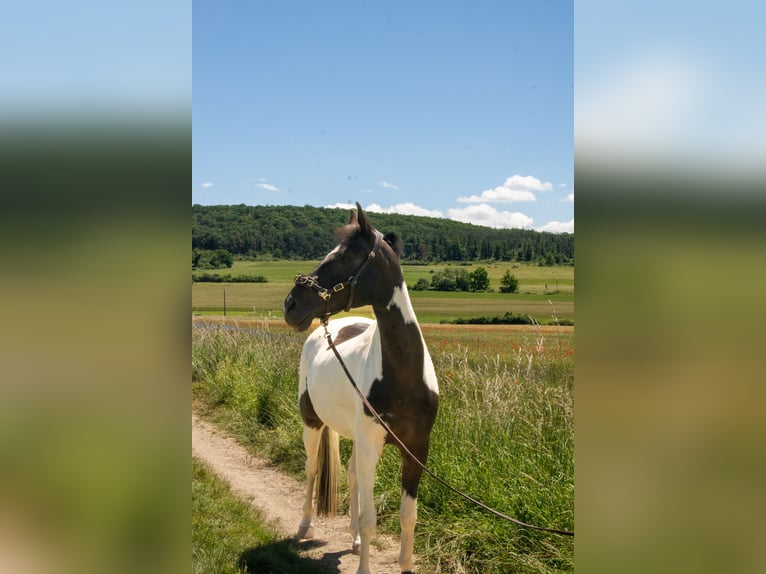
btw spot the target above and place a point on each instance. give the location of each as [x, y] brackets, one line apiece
[444, 280]
[509, 283]
[221, 258]
[462, 280]
[208, 259]
[479, 279]
[451, 280]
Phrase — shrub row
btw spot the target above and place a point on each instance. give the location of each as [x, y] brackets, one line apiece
[507, 319]
[215, 278]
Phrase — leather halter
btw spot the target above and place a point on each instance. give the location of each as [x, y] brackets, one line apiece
[326, 294]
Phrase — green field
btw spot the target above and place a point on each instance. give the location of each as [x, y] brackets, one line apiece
[543, 292]
[504, 433]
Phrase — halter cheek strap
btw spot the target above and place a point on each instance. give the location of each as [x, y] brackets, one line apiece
[326, 294]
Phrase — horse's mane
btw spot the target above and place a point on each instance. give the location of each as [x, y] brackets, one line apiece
[346, 232]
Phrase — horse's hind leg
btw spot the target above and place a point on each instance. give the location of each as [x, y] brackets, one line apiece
[368, 446]
[353, 487]
[311, 438]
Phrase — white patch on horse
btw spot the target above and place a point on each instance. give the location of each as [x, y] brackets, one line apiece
[332, 395]
[330, 254]
[429, 374]
[401, 300]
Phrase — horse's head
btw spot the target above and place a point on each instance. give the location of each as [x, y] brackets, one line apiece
[353, 274]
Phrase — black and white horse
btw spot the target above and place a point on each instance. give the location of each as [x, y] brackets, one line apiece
[388, 359]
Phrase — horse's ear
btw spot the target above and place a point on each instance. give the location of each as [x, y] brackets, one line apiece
[396, 244]
[352, 217]
[361, 219]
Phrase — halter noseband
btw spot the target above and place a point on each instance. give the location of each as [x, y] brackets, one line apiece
[312, 283]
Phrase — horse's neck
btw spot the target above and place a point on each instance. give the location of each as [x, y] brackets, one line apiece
[400, 336]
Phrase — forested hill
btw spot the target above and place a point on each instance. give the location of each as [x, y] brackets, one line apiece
[291, 232]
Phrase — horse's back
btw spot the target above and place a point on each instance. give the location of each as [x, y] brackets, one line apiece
[332, 396]
[342, 330]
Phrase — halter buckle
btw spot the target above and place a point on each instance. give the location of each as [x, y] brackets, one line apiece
[301, 279]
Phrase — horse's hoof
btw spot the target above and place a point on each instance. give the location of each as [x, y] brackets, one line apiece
[356, 548]
[305, 532]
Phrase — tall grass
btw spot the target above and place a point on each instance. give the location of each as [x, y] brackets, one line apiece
[504, 434]
[248, 379]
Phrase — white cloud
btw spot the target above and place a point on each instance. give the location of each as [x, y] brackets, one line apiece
[341, 206]
[562, 185]
[267, 186]
[527, 182]
[516, 188]
[499, 195]
[558, 226]
[207, 184]
[407, 208]
[388, 185]
[569, 197]
[483, 214]
[641, 105]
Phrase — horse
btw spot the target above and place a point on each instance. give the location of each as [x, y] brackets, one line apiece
[388, 359]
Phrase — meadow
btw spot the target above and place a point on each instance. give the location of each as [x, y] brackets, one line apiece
[504, 434]
[544, 292]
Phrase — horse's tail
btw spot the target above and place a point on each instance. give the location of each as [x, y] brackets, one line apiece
[327, 473]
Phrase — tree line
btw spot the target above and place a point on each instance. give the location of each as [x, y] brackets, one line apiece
[452, 279]
[292, 232]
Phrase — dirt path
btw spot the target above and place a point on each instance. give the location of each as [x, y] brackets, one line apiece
[280, 497]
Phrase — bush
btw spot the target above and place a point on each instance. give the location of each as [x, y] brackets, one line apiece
[479, 279]
[507, 319]
[215, 278]
[509, 283]
[421, 285]
[451, 280]
[207, 259]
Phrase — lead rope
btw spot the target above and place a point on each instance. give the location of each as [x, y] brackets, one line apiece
[398, 441]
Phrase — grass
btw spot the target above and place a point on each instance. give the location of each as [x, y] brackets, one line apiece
[231, 537]
[265, 299]
[504, 434]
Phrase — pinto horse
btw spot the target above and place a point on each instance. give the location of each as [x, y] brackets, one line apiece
[390, 363]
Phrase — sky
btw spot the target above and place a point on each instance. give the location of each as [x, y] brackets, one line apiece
[86, 60]
[680, 86]
[448, 109]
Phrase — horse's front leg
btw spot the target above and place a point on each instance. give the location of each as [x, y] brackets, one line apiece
[408, 513]
[353, 488]
[368, 447]
[311, 439]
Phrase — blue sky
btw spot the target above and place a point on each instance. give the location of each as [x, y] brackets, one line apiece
[454, 109]
[680, 87]
[87, 60]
